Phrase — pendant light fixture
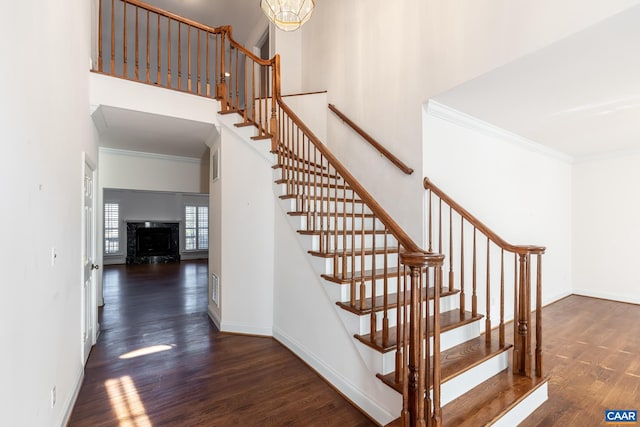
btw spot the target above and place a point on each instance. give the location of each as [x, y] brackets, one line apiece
[288, 15]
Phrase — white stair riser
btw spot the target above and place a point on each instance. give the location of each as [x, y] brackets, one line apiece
[342, 292]
[523, 409]
[467, 380]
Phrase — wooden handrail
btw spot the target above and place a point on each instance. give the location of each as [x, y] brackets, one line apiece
[480, 226]
[175, 17]
[375, 207]
[375, 144]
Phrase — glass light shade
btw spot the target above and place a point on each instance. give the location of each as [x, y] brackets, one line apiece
[288, 15]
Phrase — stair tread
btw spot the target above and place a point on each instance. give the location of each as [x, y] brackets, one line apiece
[458, 359]
[487, 402]
[331, 214]
[448, 320]
[392, 301]
[358, 251]
[379, 273]
[318, 170]
[342, 232]
[313, 184]
[313, 199]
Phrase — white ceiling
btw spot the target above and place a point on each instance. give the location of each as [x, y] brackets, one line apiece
[151, 133]
[580, 96]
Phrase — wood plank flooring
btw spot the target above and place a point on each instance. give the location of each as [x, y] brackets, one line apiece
[591, 351]
[193, 375]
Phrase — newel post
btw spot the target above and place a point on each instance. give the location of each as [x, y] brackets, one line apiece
[522, 349]
[418, 408]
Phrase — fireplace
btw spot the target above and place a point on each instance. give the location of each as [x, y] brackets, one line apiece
[151, 242]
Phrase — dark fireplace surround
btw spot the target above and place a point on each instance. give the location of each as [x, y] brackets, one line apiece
[153, 242]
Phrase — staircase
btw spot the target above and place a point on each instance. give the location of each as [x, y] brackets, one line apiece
[423, 321]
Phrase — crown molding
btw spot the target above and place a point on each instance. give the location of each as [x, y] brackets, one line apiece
[441, 111]
[156, 156]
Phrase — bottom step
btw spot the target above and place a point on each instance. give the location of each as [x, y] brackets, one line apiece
[503, 400]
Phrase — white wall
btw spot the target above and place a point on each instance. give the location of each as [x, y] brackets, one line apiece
[242, 250]
[145, 171]
[606, 209]
[44, 117]
[381, 62]
[138, 205]
[519, 189]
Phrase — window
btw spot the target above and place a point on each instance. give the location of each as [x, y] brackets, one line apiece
[196, 228]
[111, 228]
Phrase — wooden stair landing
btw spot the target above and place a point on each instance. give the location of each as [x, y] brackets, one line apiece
[448, 320]
[458, 359]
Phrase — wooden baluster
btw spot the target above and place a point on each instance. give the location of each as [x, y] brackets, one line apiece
[439, 225]
[198, 79]
[113, 38]
[402, 338]
[385, 284]
[188, 58]
[501, 333]
[158, 75]
[527, 312]
[353, 242]
[430, 220]
[100, 36]
[462, 294]
[487, 320]
[363, 265]
[237, 81]
[169, 53]
[216, 71]
[148, 69]
[474, 296]
[265, 92]
[125, 69]
[374, 315]
[516, 281]
[539, 316]
[451, 276]
[253, 91]
[180, 56]
[437, 410]
[137, 62]
[275, 73]
[208, 71]
[245, 110]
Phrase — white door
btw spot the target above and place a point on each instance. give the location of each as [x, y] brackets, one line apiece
[89, 305]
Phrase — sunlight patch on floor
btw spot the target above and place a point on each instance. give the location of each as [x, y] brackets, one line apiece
[147, 350]
[126, 402]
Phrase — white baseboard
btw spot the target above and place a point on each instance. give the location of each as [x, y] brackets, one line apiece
[607, 295]
[243, 328]
[214, 317]
[71, 400]
[556, 297]
[344, 385]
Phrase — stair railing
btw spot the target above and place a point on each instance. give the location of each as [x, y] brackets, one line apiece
[473, 249]
[373, 142]
[149, 45]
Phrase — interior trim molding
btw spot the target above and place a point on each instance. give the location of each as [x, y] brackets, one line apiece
[607, 295]
[156, 156]
[348, 389]
[444, 112]
[71, 400]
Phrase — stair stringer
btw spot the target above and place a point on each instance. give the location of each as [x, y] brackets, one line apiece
[306, 319]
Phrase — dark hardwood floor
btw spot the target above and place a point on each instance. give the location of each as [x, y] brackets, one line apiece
[194, 375]
[159, 361]
[591, 353]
